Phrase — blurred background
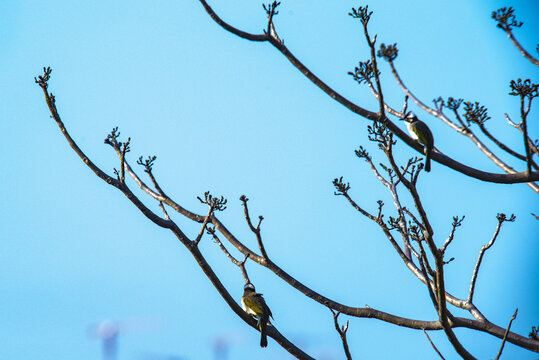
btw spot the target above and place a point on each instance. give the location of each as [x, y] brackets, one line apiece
[84, 275]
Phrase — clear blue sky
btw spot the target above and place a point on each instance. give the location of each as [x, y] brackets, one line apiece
[234, 117]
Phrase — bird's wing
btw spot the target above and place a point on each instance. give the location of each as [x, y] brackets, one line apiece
[424, 134]
[264, 305]
[253, 304]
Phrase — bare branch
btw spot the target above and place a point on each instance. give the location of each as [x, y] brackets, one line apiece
[255, 230]
[456, 223]
[519, 128]
[501, 219]
[42, 81]
[206, 219]
[431, 286]
[505, 336]
[503, 146]
[525, 90]
[271, 12]
[164, 210]
[462, 130]
[434, 346]
[506, 21]
[342, 333]
[364, 15]
[236, 262]
[436, 156]
[428, 232]
[360, 313]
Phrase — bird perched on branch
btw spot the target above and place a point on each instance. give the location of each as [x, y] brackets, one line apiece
[253, 303]
[420, 131]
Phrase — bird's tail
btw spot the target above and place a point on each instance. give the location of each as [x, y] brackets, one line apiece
[427, 160]
[262, 323]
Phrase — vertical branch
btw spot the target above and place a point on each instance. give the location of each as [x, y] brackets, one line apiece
[206, 219]
[365, 16]
[434, 346]
[255, 230]
[523, 115]
[125, 149]
[505, 336]
[439, 280]
[243, 271]
[507, 21]
[342, 333]
[501, 219]
[523, 51]
[240, 264]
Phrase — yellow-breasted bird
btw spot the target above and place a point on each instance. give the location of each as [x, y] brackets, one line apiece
[420, 131]
[253, 303]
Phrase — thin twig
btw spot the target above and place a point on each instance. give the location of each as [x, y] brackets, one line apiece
[371, 43]
[519, 128]
[342, 333]
[523, 115]
[366, 312]
[235, 261]
[522, 177]
[503, 146]
[521, 49]
[505, 336]
[456, 223]
[201, 232]
[434, 346]
[501, 219]
[164, 210]
[255, 230]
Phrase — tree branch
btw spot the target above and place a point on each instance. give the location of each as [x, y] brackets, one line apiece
[501, 219]
[506, 20]
[509, 178]
[342, 333]
[433, 346]
[505, 336]
[504, 147]
[255, 230]
[462, 130]
[167, 223]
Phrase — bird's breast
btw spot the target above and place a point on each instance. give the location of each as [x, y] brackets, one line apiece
[411, 130]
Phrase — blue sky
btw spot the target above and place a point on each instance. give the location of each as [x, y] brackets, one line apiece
[234, 117]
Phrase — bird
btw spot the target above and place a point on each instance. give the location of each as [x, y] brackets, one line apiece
[420, 131]
[254, 304]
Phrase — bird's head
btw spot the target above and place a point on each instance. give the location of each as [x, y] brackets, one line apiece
[410, 117]
[249, 287]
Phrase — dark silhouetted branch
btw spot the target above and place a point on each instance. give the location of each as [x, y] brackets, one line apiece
[505, 336]
[255, 230]
[501, 219]
[507, 21]
[342, 333]
[434, 346]
[437, 156]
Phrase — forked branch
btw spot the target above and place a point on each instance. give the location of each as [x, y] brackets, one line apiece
[341, 330]
[509, 178]
[507, 21]
[501, 219]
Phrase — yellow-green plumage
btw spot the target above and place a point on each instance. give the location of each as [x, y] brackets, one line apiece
[254, 304]
[420, 131]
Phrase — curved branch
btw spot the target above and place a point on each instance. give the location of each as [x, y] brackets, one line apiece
[342, 333]
[233, 30]
[520, 48]
[190, 245]
[512, 178]
[358, 312]
[505, 147]
[468, 133]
